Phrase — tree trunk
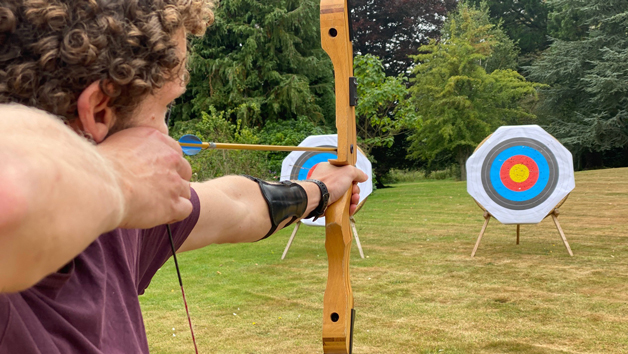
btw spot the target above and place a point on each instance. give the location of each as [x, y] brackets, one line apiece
[463, 155]
[378, 182]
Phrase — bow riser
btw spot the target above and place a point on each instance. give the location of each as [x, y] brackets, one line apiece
[336, 42]
[338, 301]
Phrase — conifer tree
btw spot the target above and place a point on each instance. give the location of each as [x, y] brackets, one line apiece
[458, 102]
[261, 61]
[587, 70]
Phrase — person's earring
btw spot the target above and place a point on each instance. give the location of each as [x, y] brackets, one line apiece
[89, 137]
[168, 113]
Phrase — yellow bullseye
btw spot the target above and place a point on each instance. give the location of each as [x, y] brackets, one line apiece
[519, 173]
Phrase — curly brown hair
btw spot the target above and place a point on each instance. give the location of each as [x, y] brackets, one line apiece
[51, 50]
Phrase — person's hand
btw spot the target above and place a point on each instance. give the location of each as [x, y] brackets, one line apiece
[338, 180]
[153, 175]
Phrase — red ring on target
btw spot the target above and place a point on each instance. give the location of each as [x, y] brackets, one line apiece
[309, 173]
[512, 162]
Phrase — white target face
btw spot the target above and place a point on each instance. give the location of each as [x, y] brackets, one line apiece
[520, 174]
[297, 166]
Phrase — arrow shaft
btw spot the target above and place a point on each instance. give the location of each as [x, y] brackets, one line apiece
[225, 146]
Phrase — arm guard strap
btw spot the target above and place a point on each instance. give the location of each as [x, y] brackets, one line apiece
[285, 200]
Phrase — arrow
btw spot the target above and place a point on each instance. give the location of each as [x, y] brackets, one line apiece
[192, 145]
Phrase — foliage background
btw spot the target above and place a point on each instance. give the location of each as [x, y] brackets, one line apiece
[586, 66]
[430, 88]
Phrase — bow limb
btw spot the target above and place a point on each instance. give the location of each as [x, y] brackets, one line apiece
[338, 312]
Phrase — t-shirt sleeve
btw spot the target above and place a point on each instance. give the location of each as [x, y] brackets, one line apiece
[155, 247]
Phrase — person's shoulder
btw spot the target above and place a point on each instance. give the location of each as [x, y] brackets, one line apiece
[16, 110]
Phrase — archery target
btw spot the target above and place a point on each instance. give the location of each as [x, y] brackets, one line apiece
[302, 168]
[520, 174]
[298, 166]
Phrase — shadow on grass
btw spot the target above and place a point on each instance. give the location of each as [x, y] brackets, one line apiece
[510, 346]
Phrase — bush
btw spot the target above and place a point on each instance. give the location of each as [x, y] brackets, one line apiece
[214, 127]
[405, 176]
[288, 132]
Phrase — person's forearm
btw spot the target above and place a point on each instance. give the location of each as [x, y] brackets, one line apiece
[233, 210]
[57, 194]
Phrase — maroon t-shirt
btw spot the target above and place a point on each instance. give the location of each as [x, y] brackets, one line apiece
[92, 306]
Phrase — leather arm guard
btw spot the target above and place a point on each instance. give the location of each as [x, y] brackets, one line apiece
[285, 200]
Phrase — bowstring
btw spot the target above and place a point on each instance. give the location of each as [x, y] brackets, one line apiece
[185, 302]
[176, 263]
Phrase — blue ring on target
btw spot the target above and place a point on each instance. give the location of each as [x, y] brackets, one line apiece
[305, 166]
[539, 186]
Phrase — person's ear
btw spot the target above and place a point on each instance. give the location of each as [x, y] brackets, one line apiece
[96, 118]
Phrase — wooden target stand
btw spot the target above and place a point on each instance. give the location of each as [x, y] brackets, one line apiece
[554, 214]
[353, 229]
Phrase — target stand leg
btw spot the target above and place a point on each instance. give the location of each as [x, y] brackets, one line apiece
[518, 228]
[555, 214]
[294, 233]
[487, 217]
[355, 234]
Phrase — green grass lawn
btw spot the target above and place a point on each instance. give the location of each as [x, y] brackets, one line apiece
[418, 290]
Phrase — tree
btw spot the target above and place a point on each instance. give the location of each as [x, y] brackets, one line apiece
[261, 61]
[394, 29]
[459, 103]
[504, 53]
[383, 109]
[566, 23]
[587, 70]
[524, 21]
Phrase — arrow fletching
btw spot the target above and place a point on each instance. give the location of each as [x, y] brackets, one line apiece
[191, 139]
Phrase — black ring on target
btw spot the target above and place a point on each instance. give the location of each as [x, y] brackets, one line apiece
[309, 159]
[537, 183]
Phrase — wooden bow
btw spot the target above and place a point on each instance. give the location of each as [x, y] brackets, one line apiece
[338, 312]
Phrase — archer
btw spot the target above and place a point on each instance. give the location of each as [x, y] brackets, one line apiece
[90, 178]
